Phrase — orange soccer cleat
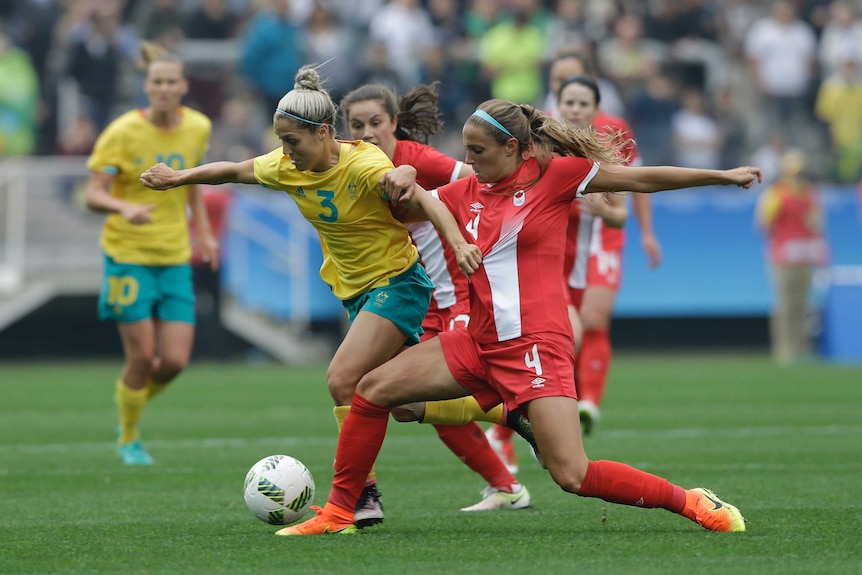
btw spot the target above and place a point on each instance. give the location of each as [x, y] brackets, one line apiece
[329, 520]
[705, 508]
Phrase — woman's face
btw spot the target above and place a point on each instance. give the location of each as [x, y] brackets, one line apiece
[369, 122]
[578, 105]
[307, 149]
[165, 85]
[491, 162]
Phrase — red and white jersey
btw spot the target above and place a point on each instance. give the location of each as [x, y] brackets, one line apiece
[605, 238]
[522, 235]
[434, 169]
[578, 241]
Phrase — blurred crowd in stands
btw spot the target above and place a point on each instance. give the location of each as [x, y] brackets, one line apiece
[705, 83]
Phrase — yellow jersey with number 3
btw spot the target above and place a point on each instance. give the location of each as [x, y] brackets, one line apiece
[363, 244]
[125, 149]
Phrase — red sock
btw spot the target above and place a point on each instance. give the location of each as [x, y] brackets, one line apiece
[471, 446]
[502, 433]
[358, 445]
[594, 361]
[619, 483]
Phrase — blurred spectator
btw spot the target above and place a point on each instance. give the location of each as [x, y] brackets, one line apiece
[650, 114]
[481, 16]
[839, 104]
[733, 131]
[781, 54]
[841, 39]
[405, 28]
[376, 68]
[211, 20]
[790, 214]
[477, 19]
[79, 137]
[273, 49]
[628, 58]
[511, 55]
[97, 50]
[768, 157]
[454, 98]
[568, 28]
[19, 96]
[158, 16]
[696, 135]
[566, 63]
[237, 136]
[329, 41]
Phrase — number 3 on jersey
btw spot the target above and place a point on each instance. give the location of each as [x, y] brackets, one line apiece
[326, 197]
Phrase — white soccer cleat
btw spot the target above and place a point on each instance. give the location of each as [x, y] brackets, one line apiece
[589, 414]
[494, 499]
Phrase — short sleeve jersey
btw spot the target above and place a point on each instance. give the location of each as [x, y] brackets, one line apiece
[606, 238]
[126, 148]
[363, 245]
[435, 169]
[521, 233]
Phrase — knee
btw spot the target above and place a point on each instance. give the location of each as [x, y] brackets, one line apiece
[593, 319]
[341, 385]
[570, 478]
[140, 361]
[170, 367]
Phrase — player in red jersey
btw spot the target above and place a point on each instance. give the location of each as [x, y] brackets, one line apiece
[402, 128]
[518, 348]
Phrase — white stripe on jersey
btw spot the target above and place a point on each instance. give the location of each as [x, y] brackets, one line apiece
[430, 248]
[578, 276]
[501, 267]
[586, 180]
[456, 171]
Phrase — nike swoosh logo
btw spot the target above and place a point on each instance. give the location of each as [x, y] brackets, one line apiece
[715, 502]
[520, 495]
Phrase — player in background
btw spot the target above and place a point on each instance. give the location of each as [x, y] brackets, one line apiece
[518, 348]
[369, 260]
[147, 288]
[402, 128]
[603, 270]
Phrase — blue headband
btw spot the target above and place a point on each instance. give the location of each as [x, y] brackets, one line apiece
[283, 113]
[490, 119]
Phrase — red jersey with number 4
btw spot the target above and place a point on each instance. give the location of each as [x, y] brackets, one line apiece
[433, 170]
[522, 235]
[606, 238]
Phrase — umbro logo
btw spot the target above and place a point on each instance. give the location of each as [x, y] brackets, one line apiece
[477, 206]
[538, 383]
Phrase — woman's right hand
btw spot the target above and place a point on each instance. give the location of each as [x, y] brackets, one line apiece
[159, 177]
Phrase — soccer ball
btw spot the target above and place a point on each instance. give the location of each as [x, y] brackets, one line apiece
[278, 489]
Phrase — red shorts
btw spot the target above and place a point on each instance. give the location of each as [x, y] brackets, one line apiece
[605, 269]
[435, 322]
[513, 372]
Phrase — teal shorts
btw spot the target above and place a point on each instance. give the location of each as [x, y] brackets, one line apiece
[404, 302]
[132, 292]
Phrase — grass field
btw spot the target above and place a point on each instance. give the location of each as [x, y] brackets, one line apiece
[784, 445]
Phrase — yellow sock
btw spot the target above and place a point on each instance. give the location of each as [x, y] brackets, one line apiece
[460, 411]
[340, 412]
[130, 404]
[154, 387]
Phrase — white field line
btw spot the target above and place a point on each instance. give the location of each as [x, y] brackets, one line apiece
[393, 438]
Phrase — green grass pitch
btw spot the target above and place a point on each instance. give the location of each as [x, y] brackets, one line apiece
[784, 445]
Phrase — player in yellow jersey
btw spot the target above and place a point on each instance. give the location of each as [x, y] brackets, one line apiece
[147, 288]
[369, 261]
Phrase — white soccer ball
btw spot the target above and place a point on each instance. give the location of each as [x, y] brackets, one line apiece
[278, 489]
